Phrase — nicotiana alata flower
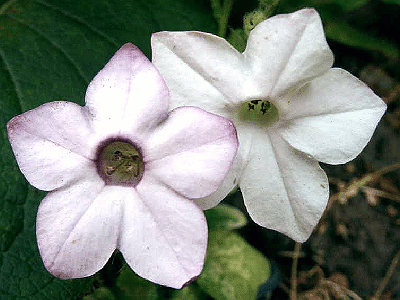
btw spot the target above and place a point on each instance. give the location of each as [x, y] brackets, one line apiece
[121, 172]
[290, 108]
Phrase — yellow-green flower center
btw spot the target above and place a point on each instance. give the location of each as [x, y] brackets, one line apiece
[119, 162]
[258, 112]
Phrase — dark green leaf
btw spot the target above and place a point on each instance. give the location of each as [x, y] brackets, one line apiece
[133, 287]
[190, 292]
[346, 34]
[347, 5]
[100, 294]
[392, 1]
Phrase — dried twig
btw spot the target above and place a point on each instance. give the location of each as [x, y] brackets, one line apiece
[387, 277]
[293, 279]
[353, 188]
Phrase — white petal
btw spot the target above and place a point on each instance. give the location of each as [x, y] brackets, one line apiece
[200, 69]
[164, 236]
[229, 183]
[191, 151]
[332, 118]
[52, 144]
[128, 96]
[287, 50]
[77, 228]
[283, 189]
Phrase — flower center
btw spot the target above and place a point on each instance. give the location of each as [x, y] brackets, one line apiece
[119, 162]
[259, 112]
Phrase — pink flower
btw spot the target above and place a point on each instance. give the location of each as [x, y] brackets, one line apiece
[121, 173]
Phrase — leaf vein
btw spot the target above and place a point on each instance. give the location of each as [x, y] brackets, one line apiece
[13, 77]
[79, 20]
[55, 45]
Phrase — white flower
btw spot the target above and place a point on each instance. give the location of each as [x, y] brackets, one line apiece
[290, 108]
[120, 171]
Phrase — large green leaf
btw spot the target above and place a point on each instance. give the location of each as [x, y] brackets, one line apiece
[50, 50]
[233, 270]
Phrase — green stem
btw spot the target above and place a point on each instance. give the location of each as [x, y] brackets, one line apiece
[221, 14]
[223, 22]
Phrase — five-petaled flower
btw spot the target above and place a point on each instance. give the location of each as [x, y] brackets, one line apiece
[121, 173]
[290, 108]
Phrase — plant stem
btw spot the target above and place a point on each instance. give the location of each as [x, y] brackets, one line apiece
[221, 14]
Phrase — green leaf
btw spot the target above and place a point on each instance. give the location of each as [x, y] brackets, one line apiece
[50, 50]
[190, 292]
[233, 269]
[225, 217]
[346, 34]
[133, 287]
[347, 5]
[100, 294]
[392, 1]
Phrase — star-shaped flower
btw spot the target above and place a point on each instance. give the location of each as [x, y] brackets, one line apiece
[290, 108]
[121, 172]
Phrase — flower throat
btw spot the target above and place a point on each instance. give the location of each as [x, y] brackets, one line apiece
[119, 162]
[259, 112]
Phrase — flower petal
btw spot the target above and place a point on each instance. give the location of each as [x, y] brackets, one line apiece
[128, 96]
[191, 151]
[199, 68]
[229, 183]
[287, 50]
[77, 228]
[283, 189]
[164, 236]
[52, 144]
[332, 118]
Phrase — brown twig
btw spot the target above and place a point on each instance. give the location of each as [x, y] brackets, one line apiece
[375, 175]
[387, 277]
[354, 187]
[293, 279]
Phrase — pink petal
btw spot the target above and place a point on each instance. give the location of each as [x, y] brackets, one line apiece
[332, 118]
[77, 228]
[164, 236]
[128, 96]
[52, 144]
[286, 51]
[191, 151]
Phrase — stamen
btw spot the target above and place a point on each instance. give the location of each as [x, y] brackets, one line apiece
[259, 112]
